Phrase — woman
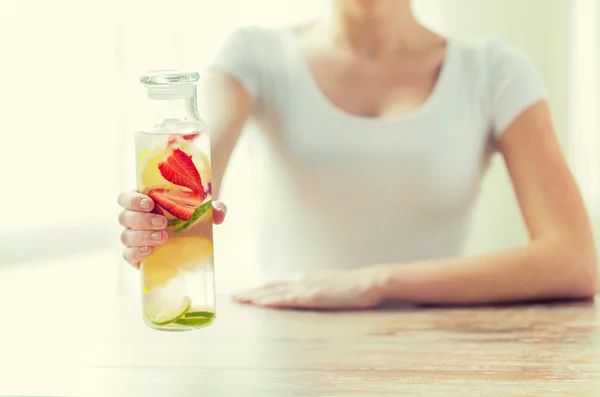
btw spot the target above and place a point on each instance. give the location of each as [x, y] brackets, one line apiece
[376, 133]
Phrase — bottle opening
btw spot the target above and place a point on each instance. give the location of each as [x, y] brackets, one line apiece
[161, 78]
[169, 84]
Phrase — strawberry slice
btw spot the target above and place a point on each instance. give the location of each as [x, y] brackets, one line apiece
[188, 137]
[172, 140]
[179, 169]
[179, 203]
[157, 210]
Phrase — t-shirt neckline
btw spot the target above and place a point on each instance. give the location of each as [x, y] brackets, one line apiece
[440, 85]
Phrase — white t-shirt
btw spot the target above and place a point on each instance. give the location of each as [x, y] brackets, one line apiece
[335, 190]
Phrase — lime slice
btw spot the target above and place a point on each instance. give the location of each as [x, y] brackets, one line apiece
[196, 318]
[200, 212]
[194, 322]
[200, 313]
[160, 313]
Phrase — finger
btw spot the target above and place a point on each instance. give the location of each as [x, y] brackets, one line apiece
[132, 200]
[134, 255]
[219, 212]
[136, 238]
[282, 300]
[287, 295]
[262, 295]
[245, 297]
[248, 295]
[142, 221]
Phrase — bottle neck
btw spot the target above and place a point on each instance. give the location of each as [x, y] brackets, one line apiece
[161, 106]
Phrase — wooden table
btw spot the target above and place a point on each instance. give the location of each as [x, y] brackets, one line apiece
[537, 350]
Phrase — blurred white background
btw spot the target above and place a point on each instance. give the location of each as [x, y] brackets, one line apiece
[70, 98]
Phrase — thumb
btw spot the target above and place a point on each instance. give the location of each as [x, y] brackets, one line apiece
[219, 212]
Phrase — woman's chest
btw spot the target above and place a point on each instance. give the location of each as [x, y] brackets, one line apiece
[430, 161]
[368, 89]
[432, 156]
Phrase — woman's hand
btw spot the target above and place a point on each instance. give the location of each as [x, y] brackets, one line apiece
[145, 230]
[332, 289]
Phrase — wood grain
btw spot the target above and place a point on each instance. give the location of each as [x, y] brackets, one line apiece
[73, 345]
[545, 350]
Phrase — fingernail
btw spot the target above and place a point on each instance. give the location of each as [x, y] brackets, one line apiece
[156, 236]
[145, 203]
[158, 221]
[144, 249]
[219, 206]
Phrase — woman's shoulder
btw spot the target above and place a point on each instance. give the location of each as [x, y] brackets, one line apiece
[255, 32]
[262, 46]
[491, 52]
[270, 35]
[506, 77]
[257, 35]
[254, 55]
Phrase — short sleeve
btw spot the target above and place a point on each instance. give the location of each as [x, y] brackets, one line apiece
[515, 85]
[238, 58]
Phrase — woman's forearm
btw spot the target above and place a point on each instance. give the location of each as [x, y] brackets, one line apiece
[539, 270]
[225, 106]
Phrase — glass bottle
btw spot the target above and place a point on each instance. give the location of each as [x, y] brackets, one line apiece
[173, 168]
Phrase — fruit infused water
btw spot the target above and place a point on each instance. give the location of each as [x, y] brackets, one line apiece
[173, 168]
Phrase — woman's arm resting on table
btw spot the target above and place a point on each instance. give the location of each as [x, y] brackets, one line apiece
[558, 263]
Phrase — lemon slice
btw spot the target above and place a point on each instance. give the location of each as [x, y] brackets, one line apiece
[149, 175]
[161, 313]
[202, 164]
[177, 255]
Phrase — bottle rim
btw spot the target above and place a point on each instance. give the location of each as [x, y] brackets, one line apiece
[168, 78]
